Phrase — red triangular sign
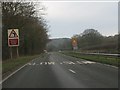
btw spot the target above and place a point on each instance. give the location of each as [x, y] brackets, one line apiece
[13, 34]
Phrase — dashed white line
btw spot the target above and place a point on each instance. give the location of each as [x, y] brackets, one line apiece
[72, 71]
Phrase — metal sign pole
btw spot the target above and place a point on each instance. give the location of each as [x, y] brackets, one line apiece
[17, 52]
[11, 52]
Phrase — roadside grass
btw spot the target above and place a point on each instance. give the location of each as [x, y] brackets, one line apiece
[12, 64]
[111, 60]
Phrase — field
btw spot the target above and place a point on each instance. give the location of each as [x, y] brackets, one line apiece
[112, 60]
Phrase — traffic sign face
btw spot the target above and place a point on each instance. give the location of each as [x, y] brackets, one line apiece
[13, 37]
[13, 34]
[13, 42]
[74, 43]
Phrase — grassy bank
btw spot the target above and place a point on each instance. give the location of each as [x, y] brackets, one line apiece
[97, 58]
[12, 64]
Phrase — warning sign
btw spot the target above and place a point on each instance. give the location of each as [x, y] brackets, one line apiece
[74, 43]
[13, 37]
[13, 34]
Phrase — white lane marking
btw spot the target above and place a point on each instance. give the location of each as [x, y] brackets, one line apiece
[79, 62]
[45, 63]
[87, 62]
[33, 63]
[107, 65]
[29, 64]
[71, 63]
[49, 63]
[41, 63]
[13, 73]
[91, 62]
[68, 62]
[72, 71]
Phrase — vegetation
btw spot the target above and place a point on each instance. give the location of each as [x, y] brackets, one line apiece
[32, 29]
[92, 40]
[11, 65]
[97, 58]
[88, 41]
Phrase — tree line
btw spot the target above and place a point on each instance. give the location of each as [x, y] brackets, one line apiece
[92, 40]
[32, 28]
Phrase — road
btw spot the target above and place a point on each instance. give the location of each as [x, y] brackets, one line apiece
[56, 70]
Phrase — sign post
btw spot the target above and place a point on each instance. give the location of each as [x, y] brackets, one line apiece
[11, 52]
[13, 40]
[17, 52]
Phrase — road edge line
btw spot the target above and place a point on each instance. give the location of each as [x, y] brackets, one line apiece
[108, 65]
[13, 73]
[96, 62]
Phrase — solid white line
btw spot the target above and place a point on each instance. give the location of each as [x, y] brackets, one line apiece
[72, 71]
[13, 73]
[107, 65]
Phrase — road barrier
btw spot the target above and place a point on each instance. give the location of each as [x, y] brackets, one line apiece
[112, 59]
[104, 54]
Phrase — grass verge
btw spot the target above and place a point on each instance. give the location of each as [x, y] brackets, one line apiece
[11, 65]
[111, 60]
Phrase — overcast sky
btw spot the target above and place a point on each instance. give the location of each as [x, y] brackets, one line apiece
[69, 18]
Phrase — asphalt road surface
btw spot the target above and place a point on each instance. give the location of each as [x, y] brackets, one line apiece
[56, 70]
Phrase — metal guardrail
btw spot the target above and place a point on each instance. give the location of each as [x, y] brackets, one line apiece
[108, 58]
[105, 54]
